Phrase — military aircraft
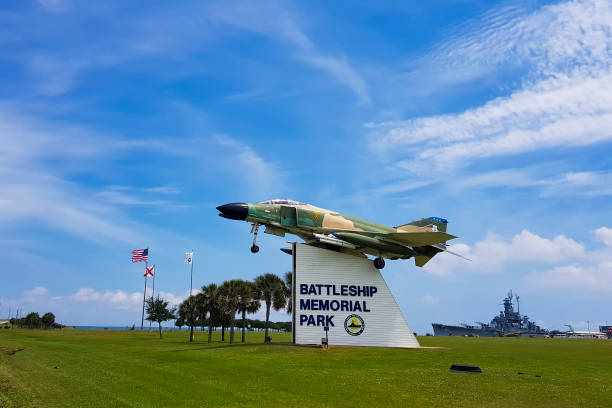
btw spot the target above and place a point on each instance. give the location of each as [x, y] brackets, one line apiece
[421, 239]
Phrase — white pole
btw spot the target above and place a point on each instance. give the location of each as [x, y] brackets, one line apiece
[191, 294]
[144, 296]
[191, 276]
[153, 292]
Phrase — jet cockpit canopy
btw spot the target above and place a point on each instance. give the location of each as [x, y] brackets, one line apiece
[281, 201]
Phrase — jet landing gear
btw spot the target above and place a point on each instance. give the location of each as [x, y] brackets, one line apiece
[379, 263]
[254, 231]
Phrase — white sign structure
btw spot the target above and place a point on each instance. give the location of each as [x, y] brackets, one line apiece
[349, 296]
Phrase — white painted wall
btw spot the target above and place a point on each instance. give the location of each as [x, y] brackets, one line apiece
[385, 324]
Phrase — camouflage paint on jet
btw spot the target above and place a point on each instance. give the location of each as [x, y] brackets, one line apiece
[421, 239]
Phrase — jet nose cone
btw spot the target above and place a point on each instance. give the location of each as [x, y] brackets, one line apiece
[234, 211]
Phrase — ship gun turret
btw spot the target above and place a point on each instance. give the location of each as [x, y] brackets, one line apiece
[507, 323]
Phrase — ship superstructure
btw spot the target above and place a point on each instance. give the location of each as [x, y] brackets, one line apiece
[507, 323]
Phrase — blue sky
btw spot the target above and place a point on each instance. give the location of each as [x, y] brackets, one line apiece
[123, 126]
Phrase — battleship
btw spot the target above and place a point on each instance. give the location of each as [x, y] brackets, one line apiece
[508, 323]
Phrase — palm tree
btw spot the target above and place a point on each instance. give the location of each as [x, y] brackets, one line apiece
[289, 290]
[187, 314]
[230, 295]
[289, 293]
[210, 302]
[32, 320]
[271, 289]
[48, 320]
[247, 302]
[200, 311]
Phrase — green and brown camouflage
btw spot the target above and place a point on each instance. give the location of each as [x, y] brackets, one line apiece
[421, 239]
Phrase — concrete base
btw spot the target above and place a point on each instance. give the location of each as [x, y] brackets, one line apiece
[347, 295]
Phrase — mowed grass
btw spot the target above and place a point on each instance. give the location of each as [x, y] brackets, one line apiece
[73, 368]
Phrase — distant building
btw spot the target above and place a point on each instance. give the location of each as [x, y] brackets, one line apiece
[4, 323]
[607, 330]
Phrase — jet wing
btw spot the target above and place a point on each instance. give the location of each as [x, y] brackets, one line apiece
[412, 239]
[417, 239]
[319, 242]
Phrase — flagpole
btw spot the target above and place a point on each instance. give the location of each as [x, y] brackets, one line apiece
[154, 273]
[190, 296]
[144, 296]
[147, 266]
[153, 293]
[191, 283]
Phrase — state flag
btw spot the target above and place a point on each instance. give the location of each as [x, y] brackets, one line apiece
[149, 271]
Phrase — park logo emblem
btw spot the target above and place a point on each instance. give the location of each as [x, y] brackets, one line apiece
[354, 325]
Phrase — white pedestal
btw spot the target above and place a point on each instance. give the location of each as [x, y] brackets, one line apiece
[347, 294]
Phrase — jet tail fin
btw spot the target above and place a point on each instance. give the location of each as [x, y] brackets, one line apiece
[440, 223]
[430, 251]
[421, 260]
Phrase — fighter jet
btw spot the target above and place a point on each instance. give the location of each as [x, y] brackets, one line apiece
[421, 239]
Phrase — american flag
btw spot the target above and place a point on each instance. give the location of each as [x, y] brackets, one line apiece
[140, 255]
[149, 271]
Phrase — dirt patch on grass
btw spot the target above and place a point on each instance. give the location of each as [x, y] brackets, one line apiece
[10, 351]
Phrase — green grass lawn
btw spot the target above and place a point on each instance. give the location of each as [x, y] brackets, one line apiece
[73, 368]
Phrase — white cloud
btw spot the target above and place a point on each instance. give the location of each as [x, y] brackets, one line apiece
[447, 264]
[240, 159]
[142, 33]
[531, 247]
[60, 205]
[558, 263]
[592, 278]
[581, 184]
[120, 299]
[163, 190]
[54, 6]
[566, 102]
[604, 235]
[552, 39]
[401, 186]
[34, 294]
[86, 305]
[429, 300]
[138, 197]
[176, 33]
[494, 252]
[574, 111]
[268, 18]
[506, 177]
[174, 299]
[35, 158]
[25, 138]
[545, 179]
[341, 70]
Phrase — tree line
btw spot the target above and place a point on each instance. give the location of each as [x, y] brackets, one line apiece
[35, 321]
[216, 306]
